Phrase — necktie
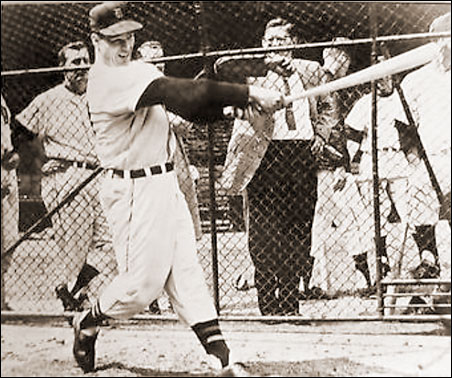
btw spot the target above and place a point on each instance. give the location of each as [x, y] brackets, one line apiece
[290, 117]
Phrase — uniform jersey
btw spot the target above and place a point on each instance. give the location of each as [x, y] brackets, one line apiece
[123, 133]
[60, 117]
[389, 110]
[428, 93]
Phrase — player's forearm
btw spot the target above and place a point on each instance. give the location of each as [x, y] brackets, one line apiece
[196, 101]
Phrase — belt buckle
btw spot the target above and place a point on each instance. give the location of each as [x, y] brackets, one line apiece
[147, 171]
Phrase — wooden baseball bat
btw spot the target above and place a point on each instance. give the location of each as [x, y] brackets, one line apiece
[399, 63]
[69, 197]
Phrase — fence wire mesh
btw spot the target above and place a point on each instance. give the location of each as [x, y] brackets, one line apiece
[294, 227]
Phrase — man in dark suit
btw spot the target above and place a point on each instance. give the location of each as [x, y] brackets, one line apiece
[274, 160]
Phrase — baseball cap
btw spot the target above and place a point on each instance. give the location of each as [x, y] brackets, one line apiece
[111, 19]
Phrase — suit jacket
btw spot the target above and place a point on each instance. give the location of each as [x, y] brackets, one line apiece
[249, 142]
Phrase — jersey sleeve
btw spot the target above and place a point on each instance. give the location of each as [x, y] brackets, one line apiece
[33, 116]
[122, 87]
[147, 74]
[358, 120]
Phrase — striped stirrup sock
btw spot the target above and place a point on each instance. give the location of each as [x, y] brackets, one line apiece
[212, 340]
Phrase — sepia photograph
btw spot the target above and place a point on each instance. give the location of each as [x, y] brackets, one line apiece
[226, 189]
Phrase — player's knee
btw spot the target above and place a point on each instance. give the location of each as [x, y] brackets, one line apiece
[146, 292]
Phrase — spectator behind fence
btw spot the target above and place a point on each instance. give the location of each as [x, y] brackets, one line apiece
[59, 117]
[427, 91]
[329, 242]
[10, 196]
[393, 182]
[274, 160]
[186, 173]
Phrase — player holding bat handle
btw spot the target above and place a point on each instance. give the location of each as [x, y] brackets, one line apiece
[153, 234]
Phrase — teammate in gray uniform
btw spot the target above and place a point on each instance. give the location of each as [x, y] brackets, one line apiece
[59, 117]
[153, 233]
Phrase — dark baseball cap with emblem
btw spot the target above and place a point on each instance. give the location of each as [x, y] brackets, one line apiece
[111, 19]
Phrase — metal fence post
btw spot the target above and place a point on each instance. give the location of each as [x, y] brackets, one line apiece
[204, 46]
[375, 177]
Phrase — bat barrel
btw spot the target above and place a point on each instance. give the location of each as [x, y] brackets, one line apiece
[403, 62]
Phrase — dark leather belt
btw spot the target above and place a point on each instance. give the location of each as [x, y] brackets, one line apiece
[143, 172]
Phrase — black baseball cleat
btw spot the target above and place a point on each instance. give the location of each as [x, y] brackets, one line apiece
[84, 350]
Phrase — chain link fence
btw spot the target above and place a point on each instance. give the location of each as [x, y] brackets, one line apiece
[282, 229]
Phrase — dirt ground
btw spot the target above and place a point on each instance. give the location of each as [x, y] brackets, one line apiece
[168, 349]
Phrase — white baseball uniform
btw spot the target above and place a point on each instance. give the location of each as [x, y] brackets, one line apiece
[428, 93]
[392, 170]
[153, 233]
[61, 120]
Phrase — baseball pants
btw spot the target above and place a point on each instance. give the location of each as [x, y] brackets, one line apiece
[333, 267]
[424, 207]
[155, 246]
[80, 228]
